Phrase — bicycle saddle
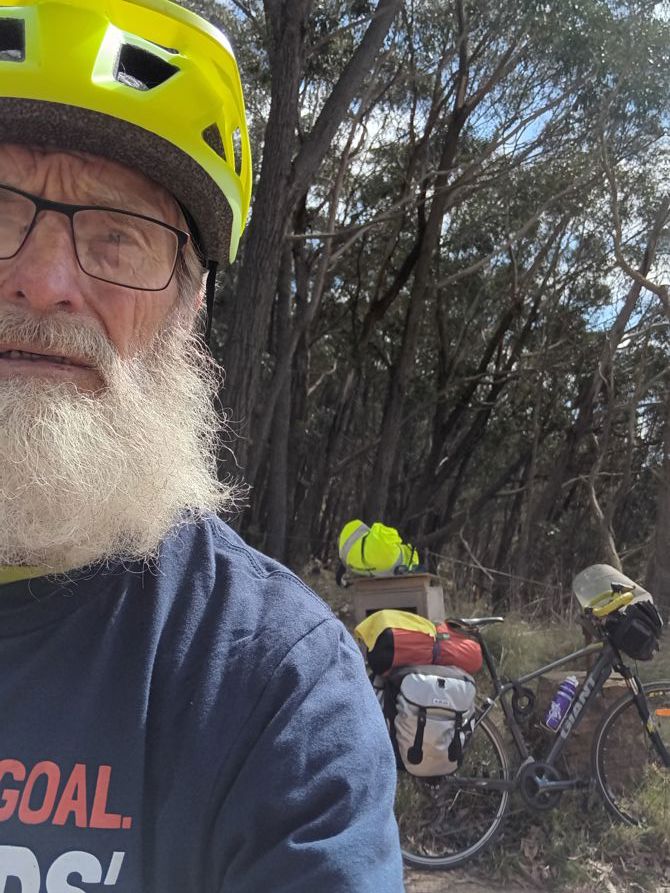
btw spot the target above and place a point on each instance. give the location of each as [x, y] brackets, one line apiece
[473, 622]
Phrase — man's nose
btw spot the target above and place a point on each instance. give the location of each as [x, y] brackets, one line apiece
[45, 273]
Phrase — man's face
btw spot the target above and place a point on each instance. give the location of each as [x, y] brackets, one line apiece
[44, 278]
[100, 455]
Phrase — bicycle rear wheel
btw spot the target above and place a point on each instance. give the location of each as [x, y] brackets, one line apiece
[627, 765]
[442, 824]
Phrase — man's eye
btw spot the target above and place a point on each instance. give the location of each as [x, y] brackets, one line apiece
[114, 240]
[115, 237]
[108, 247]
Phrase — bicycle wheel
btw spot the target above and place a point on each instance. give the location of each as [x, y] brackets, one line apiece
[443, 824]
[629, 771]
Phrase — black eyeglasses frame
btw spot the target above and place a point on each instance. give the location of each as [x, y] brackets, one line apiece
[69, 210]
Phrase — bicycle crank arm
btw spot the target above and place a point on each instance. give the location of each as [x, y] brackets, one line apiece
[566, 784]
[490, 784]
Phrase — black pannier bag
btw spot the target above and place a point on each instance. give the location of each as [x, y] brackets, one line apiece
[636, 630]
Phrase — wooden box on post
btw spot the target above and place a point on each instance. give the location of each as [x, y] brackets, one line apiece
[419, 593]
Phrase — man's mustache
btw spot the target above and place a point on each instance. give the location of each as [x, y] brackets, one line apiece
[57, 333]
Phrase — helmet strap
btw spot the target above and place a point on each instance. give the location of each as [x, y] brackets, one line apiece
[210, 288]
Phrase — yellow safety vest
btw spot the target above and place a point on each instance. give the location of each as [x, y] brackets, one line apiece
[376, 551]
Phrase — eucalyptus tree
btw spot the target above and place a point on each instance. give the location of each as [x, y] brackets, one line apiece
[420, 305]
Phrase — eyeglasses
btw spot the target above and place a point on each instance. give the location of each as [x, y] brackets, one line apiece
[116, 246]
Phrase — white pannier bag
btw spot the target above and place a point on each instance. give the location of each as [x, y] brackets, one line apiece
[434, 706]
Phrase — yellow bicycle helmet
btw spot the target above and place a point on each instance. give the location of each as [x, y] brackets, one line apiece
[143, 82]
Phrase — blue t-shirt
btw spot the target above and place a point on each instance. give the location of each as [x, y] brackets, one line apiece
[202, 726]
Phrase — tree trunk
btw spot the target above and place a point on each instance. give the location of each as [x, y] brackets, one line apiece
[659, 572]
[378, 491]
[281, 426]
[549, 502]
[284, 178]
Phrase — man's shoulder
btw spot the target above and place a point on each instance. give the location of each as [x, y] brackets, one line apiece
[216, 555]
[223, 610]
[208, 568]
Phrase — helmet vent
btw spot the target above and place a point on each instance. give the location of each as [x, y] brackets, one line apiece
[12, 40]
[212, 136]
[237, 149]
[141, 69]
[170, 50]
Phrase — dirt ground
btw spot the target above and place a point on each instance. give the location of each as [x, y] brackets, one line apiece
[470, 882]
[457, 882]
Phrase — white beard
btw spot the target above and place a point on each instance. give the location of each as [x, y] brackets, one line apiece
[105, 476]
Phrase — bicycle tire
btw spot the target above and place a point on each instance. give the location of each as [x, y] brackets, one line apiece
[441, 825]
[627, 767]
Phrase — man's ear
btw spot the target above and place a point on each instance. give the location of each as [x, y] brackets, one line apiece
[210, 288]
[199, 297]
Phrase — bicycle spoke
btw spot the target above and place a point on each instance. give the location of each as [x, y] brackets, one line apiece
[629, 769]
[442, 825]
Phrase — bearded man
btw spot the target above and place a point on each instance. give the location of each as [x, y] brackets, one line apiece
[179, 712]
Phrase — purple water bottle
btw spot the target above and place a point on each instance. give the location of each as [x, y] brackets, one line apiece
[561, 703]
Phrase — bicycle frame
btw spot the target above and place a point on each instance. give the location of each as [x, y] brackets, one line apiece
[608, 660]
[448, 820]
[592, 686]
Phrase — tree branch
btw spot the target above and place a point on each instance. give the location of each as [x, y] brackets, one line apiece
[660, 221]
[335, 107]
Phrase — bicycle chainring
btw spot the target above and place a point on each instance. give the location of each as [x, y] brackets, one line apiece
[533, 779]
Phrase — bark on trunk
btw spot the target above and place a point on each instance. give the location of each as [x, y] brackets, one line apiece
[284, 178]
[659, 576]
[278, 476]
